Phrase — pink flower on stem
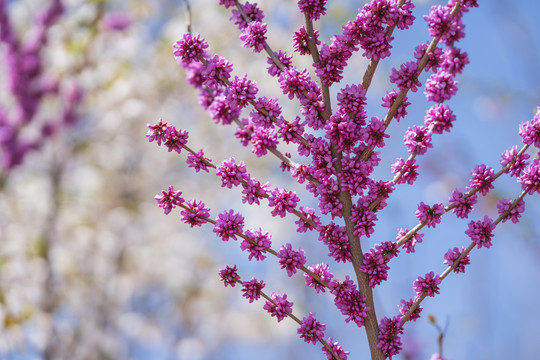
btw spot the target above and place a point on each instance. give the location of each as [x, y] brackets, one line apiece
[431, 216]
[254, 36]
[252, 289]
[311, 329]
[503, 205]
[257, 244]
[452, 255]
[169, 199]
[482, 178]
[195, 214]
[428, 284]
[290, 259]
[320, 270]
[279, 306]
[481, 232]
[229, 276]
[228, 224]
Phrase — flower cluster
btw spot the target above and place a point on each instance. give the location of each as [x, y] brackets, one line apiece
[291, 260]
[252, 289]
[278, 306]
[431, 216]
[228, 224]
[428, 284]
[337, 152]
[481, 232]
[389, 339]
[311, 330]
[452, 255]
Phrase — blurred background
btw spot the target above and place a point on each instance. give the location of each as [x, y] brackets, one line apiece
[90, 268]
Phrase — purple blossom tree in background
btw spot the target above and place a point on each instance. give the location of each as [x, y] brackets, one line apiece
[332, 147]
[29, 84]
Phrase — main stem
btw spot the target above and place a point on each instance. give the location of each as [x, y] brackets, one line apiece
[357, 256]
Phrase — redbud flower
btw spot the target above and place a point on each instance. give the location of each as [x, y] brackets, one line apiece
[258, 245]
[254, 191]
[262, 139]
[503, 205]
[376, 260]
[434, 57]
[463, 205]
[452, 255]
[418, 139]
[428, 284]
[312, 8]
[232, 174]
[407, 168]
[364, 220]
[530, 177]
[227, 3]
[228, 224]
[431, 216]
[440, 117]
[251, 10]
[196, 213]
[530, 130]
[311, 329]
[410, 244]
[348, 301]
[266, 111]
[335, 237]
[285, 59]
[290, 259]
[241, 91]
[189, 48]
[336, 349]
[229, 276]
[293, 82]
[283, 201]
[333, 59]
[480, 232]
[175, 139]
[441, 24]
[252, 289]
[405, 16]
[198, 161]
[253, 36]
[216, 72]
[342, 131]
[483, 177]
[375, 43]
[156, 132]
[309, 214]
[388, 101]
[321, 270]
[440, 86]
[453, 60]
[406, 77]
[301, 39]
[382, 12]
[404, 308]
[351, 99]
[374, 133]
[169, 200]
[389, 339]
[519, 162]
[279, 306]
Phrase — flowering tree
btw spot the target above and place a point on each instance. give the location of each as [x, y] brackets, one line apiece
[332, 148]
